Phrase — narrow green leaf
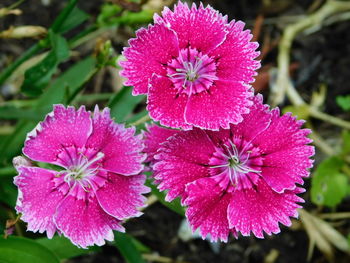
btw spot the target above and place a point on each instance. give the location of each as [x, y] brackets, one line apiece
[8, 171]
[123, 103]
[37, 77]
[74, 19]
[14, 113]
[127, 248]
[175, 205]
[329, 185]
[69, 82]
[63, 15]
[63, 248]
[19, 250]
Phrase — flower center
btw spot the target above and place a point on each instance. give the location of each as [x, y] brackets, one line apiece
[237, 168]
[192, 72]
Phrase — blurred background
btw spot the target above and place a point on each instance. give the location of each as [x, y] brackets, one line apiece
[54, 51]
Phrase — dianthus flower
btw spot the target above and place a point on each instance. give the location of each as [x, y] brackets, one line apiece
[97, 184]
[194, 66]
[242, 179]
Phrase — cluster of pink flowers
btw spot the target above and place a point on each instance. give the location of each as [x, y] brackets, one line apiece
[235, 164]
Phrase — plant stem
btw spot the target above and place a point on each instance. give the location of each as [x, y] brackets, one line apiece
[329, 118]
[140, 121]
[283, 83]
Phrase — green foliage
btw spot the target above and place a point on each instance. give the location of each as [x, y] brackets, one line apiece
[37, 77]
[329, 183]
[128, 248]
[344, 102]
[63, 248]
[19, 250]
[123, 103]
[175, 205]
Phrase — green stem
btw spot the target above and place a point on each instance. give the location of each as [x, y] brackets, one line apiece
[329, 118]
[141, 120]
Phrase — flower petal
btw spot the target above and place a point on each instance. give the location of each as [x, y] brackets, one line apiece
[207, 209]
[286, 153]
[223, 104]
[262, 209]
[121, 195]
[121, 148]
[236, 55]
[153, 137]
[255, 122]
[84, 222]
[63, 127]
[165, 104]
[37, 198]
[281, 170]
[150, 49]
[182, 159]
[201, 28]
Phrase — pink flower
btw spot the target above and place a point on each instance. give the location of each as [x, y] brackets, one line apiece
[96, 184]
[195, 67]
[238, 180]
[153, 138]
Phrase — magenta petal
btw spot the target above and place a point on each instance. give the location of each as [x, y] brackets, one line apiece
[201, 28]
[165, 104]
[286, 153]
[62, 127]
[255, 122]
[224, 104]
[182, 159]
[262, 209]
[37, 198]
[120, 147]
[153, 137]
[236, 55]
[207, 209]
[281, 170]
[121, 195]
[84, 222]
[150, 49]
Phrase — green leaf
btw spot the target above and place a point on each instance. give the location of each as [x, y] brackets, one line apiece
[74, 19]
[37, 77]
[174, 205]
[62, 90]
[329, 186]
[123, 103]
[343, 102]
[63, 248]
[66, 86]
[19, 250]
[7, 171]
[346, 142]
[14, 113]
[8, 191]
[127, 248]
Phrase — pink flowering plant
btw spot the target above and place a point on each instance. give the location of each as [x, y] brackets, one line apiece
[243, 179]
[173, 119]
[98, 184]
[194, 66]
